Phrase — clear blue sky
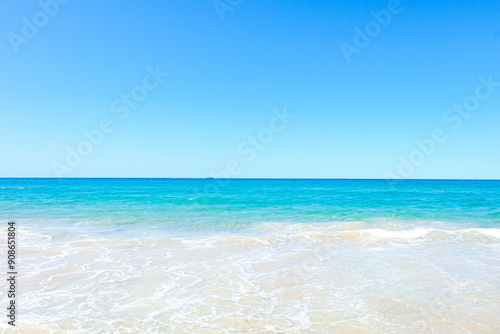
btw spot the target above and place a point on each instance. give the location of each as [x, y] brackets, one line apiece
[225, 77]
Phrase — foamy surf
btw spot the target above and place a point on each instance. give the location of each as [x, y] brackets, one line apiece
[409, 234]
[296, 280]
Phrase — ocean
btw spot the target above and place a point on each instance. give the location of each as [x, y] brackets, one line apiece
[253, 255]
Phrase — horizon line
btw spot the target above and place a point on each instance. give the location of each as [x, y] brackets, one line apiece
[241, 178]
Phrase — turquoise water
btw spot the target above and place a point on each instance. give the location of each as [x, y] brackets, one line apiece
[255, 256]
[207, 204]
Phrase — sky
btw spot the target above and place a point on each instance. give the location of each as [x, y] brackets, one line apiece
[237, 88]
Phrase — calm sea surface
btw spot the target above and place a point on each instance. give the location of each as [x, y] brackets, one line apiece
[255, 256]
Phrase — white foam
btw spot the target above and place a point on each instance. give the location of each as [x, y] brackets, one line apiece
[322, 277]
[493, 232]
[406, 234]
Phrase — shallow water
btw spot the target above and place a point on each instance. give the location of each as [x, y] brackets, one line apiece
[255, 256]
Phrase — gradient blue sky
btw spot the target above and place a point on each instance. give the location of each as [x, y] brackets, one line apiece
[353, 120]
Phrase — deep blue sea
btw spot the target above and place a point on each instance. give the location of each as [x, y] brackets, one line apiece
[256, 255]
